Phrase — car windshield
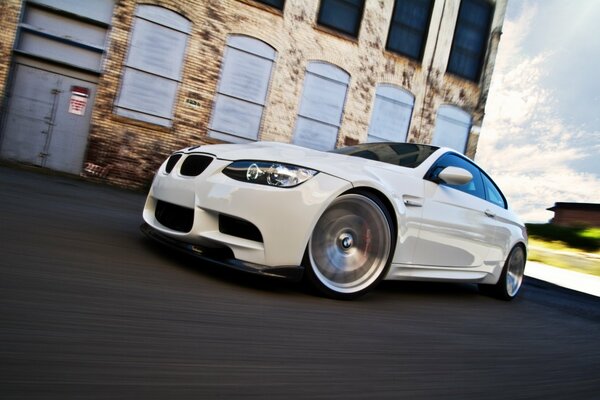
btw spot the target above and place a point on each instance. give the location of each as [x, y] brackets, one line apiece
[408, 155]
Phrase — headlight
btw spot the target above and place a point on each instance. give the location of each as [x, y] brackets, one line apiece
[268, 173]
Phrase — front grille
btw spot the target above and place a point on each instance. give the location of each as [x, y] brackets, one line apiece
[239, 228]
[171, 163]
[174, 217]
[194, 165]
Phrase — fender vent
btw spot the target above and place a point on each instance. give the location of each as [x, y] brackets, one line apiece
[194, 165]
[174, 217]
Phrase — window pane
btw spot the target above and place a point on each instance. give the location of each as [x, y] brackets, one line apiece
[470, 38]
[391, 115]
[156, 49]
[236, 117]
[405, 42]
[321, 106]
[343, 15]
[412, 13]
[475, 13]
[245, 76]
[147, 93]
[408, 30]
[466, 63]
[153, 67]
[242, 91]
[323, 99]
[493, 193]
[452, 127]
[315, 135]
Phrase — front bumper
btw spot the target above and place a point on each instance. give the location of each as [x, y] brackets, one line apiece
[281, 219]
[291, 272]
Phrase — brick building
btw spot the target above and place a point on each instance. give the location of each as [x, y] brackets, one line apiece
[576, 214]
[109, 88]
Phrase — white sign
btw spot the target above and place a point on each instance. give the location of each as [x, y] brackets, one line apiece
[79, 99]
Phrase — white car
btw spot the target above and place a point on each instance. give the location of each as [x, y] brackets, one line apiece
[344, 219]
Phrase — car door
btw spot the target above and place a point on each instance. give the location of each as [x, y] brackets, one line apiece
[455, 230]
[506, 226]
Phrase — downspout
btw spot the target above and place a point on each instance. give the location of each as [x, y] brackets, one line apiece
[437, 38]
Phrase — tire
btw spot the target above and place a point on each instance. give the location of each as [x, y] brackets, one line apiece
[511, 278]
[350, 248]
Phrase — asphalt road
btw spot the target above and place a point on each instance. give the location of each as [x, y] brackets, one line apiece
[89, 309]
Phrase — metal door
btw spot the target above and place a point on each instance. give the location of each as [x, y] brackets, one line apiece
[47, 119]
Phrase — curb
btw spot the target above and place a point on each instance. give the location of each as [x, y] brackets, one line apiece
[577, 281]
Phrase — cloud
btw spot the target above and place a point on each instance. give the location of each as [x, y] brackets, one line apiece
[525, 144]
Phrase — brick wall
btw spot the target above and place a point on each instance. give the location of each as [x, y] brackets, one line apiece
[129, 151]
[566, 217]
[9, 12]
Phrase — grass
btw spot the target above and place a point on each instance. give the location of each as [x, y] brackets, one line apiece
[576, 249]
[582, 238]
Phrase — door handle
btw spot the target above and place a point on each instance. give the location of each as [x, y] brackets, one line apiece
[490, 214]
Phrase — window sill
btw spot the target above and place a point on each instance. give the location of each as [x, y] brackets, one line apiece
[142, 124]
[462, 79]
[402, 58]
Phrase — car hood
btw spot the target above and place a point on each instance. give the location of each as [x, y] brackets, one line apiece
[342, 166]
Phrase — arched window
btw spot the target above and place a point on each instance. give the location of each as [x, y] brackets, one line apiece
[391, 114]
[452, 128]
[153, 65]
[242, 90]
[322, 105]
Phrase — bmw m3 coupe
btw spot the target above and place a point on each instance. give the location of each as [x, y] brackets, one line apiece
[342, 220]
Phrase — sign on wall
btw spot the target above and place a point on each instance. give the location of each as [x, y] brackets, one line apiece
[79, 99]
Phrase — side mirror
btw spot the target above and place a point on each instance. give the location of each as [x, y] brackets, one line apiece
[455, 176]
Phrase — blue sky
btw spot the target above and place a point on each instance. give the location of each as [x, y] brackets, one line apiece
[540, 138]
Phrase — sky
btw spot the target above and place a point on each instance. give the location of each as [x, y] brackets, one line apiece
[540, 138]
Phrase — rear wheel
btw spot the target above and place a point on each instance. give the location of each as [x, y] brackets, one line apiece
[511, 278]
[350, 248]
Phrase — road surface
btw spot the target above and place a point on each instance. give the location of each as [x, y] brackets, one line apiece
[91, 310]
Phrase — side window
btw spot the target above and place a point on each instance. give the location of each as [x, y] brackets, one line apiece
[153, 67]
[342, 15]
[321, 106]
[242, 92]
[492, 193]
[391, 114]
[475, 187]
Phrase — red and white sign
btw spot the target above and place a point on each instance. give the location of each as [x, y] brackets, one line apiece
[79, 99]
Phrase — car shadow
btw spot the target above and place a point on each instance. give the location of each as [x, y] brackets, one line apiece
[431, 290]
[398, 289]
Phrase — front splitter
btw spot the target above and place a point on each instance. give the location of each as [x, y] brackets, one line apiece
[292, 272]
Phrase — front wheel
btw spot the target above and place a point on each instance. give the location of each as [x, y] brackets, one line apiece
[350, 248]
[511, 277]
